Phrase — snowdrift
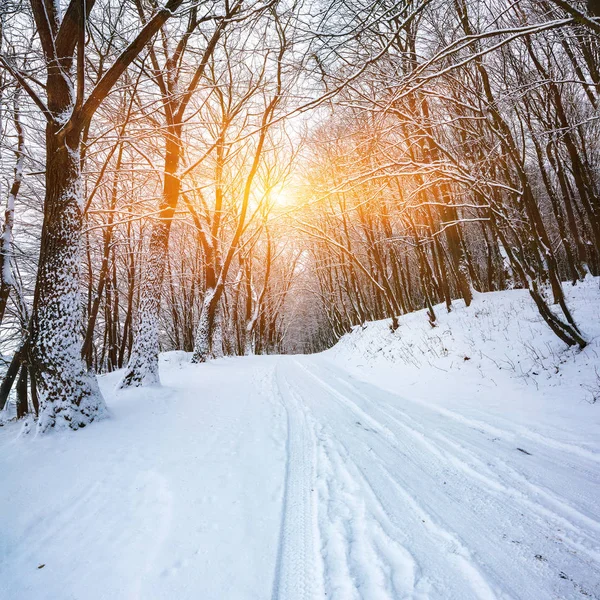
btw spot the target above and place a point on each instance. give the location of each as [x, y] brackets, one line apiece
[497, 354]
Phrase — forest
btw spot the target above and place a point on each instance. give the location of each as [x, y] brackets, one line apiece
[299, 299]
[229, 178]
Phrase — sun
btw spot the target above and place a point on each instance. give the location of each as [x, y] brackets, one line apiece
[284, 195]
[282, 198]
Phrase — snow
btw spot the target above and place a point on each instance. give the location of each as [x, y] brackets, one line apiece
[176, 496]
[387, 467]
[496, 357]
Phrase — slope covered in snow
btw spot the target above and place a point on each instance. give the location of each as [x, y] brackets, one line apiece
[450, 463]
[496, 357]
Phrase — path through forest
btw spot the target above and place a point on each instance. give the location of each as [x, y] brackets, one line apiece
[290, 478]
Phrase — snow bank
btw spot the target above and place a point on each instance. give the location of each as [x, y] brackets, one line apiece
[497, 355]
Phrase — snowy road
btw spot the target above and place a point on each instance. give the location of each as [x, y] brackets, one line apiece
[288, 478]
[412, 502]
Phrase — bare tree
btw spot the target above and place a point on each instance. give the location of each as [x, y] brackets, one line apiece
[69, 395]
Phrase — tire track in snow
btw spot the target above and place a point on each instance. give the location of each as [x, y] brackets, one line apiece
[569, 448]
[581, 543]
[510, 489]
[335, 541]
[458, 552]
[297, 569]
[362, 559]
[375, 479]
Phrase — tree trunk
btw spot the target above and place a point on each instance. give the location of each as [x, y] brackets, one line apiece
[22, 405]
[205, 327]
[10, 376]
[142, 368]
[68, 395]
[6, 239]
